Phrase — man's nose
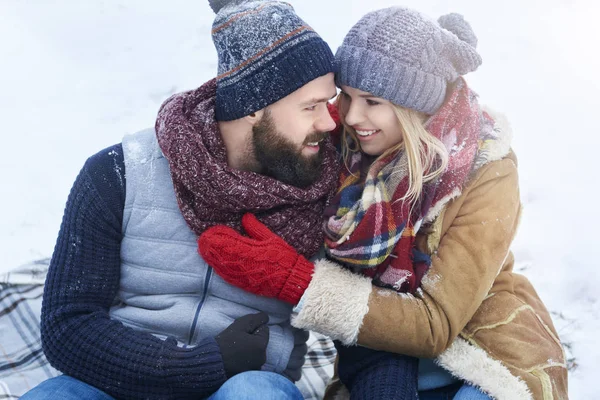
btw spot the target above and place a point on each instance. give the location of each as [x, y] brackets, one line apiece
[325, 123]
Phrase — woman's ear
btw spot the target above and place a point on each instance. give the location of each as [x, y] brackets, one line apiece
[255, 117]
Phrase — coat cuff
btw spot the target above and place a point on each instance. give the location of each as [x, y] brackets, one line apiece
[335, 303]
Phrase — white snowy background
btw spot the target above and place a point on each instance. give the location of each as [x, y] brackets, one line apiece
[75, 76]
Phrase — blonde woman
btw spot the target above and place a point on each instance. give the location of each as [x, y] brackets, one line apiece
[418, 236]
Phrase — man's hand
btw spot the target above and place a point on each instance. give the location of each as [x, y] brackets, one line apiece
[262, 263]
[244, 344]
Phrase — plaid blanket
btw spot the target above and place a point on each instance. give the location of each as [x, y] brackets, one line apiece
[22, 362]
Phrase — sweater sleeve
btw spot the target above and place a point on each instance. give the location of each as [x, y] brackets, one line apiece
[78, 336]
[349, 308]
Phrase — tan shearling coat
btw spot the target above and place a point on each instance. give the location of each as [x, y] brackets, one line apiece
[481, 321]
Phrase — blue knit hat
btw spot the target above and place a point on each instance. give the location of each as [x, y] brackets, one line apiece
[265, 53]
[407, 58]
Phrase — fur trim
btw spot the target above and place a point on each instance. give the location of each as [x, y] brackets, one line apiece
[435, 210]
[471, 364]
[329, 308]
[501, 146]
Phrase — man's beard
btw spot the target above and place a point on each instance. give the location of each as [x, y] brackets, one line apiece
[279, 158]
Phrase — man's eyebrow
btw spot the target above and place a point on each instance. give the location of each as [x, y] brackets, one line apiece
[316, 100]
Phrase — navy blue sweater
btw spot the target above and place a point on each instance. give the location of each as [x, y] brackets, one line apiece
[78, 336]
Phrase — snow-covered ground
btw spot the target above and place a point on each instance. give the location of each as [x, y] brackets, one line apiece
[75, 76]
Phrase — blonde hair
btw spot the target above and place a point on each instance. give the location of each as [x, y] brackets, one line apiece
[423, 150]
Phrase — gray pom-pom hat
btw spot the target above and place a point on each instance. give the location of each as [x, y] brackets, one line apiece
[407, 58]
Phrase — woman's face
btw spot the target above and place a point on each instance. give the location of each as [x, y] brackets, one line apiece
[373, 118]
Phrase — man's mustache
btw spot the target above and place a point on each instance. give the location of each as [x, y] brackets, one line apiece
[316, 137]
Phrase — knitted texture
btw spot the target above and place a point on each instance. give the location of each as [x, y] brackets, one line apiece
[261, 263]
[367, 219]
[403, 56]
[371, 374]
[78, 336]
[244, 343]
[265, 52]
[217, 5]
[209, 192]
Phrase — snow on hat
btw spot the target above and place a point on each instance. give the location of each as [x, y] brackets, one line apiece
[403, 56]
[265, 52]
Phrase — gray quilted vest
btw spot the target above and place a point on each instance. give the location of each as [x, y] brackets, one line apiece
[167, 289]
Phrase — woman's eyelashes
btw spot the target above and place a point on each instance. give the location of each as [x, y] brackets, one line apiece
[369, 102]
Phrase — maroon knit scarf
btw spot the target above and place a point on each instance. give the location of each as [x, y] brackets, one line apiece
[210, 193]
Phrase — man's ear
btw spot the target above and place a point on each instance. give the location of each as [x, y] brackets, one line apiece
[255, 117]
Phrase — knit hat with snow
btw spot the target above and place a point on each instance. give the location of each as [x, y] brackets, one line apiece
[265, 53]
[403, 56]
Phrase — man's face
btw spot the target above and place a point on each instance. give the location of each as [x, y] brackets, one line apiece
[286, 141]
[282, 159]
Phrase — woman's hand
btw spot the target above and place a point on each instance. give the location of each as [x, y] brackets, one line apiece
[262, 263]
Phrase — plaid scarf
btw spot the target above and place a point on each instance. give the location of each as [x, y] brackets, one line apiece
[210, 193]
[370, 229]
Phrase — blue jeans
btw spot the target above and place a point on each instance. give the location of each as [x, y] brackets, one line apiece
[258, 385]
[65, 388]
[459, 391]
[246, 386]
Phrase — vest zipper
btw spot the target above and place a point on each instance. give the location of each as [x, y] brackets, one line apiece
[206, 282]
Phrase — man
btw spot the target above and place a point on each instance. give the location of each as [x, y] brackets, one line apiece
[130, 308]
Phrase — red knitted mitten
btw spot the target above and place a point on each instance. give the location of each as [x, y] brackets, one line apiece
[262, 263]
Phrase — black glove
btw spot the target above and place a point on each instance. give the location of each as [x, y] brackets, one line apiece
[244, 344]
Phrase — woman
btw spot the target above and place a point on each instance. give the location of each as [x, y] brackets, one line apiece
[430, 188]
